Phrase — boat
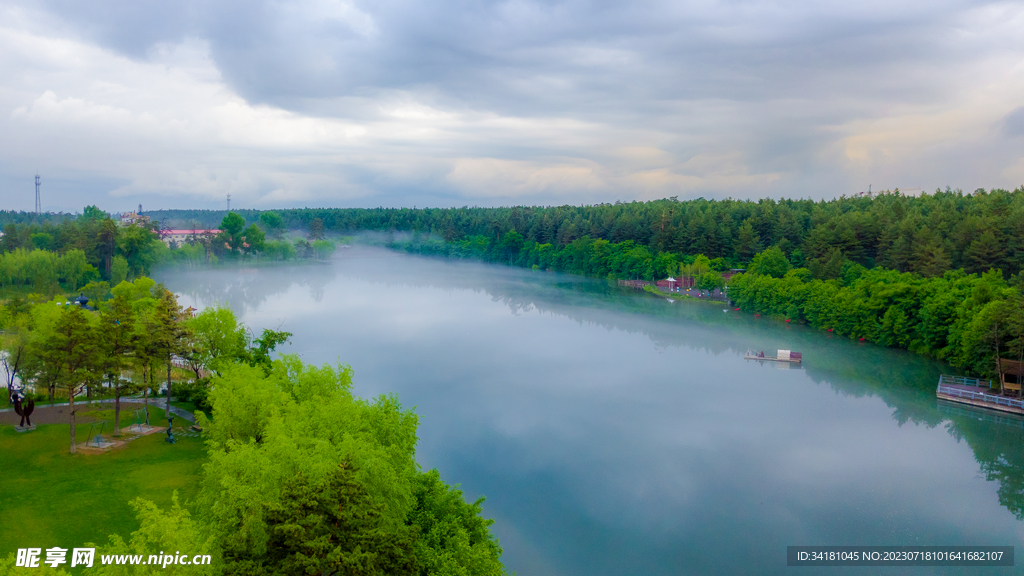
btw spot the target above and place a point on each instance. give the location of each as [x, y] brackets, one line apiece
[781, 356]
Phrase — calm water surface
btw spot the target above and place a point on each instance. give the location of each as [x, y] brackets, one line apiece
[616, 433]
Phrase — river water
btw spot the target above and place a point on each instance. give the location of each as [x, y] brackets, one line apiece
[614, 432]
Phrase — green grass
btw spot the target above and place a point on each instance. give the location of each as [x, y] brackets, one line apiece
[53, 498]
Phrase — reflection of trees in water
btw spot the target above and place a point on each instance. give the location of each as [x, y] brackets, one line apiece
[996, 441]
[904, 381]
[244, 289]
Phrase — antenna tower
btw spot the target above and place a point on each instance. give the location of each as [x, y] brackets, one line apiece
[39, 204]
[229, 201]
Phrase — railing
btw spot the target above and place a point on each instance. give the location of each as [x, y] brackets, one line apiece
[988, 398]
[963, 381]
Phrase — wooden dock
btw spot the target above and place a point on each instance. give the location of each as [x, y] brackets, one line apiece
[976, 393]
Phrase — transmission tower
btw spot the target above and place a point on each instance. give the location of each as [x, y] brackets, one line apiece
[39, 204]
[229, 201]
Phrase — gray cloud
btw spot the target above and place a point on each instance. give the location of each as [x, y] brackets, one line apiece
[556, 98]
[513, 56]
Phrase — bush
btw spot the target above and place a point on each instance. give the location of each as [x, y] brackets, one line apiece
[196, 392]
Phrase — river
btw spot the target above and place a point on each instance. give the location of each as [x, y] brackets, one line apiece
[614, 432]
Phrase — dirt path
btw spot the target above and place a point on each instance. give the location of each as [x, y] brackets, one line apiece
[59, 414]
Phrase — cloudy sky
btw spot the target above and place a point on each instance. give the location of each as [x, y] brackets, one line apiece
[456, 102]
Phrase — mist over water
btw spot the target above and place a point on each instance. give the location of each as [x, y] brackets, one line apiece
[617, 433]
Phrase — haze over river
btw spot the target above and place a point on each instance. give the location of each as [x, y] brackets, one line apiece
[615, 432]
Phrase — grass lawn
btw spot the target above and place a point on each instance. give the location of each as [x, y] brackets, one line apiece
[53, 498]
[186, 406]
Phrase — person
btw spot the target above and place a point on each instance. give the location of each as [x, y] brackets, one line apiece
[761, 355]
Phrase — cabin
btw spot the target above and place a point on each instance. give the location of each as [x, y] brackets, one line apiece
[1011, 374]
[732, 272]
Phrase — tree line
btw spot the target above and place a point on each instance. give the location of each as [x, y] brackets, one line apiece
[302, 477]
[91, 252]
[968, 320]
[926, 234]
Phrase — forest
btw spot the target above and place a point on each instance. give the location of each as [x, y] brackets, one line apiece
[926, 234]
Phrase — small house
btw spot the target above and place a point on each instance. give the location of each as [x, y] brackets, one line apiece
[1011, 374]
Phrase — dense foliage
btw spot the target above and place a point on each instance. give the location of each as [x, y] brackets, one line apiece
[92, 252]
[926, 234]
[303, 477]
[965, 319]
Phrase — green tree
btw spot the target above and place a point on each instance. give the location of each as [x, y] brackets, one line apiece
[984, 252]
[328, 526]
[258, 350]
[303, 249]
[252, 240]
[273, 224]
[106, 244]
[75, 268]
[168, 333]
[93, 213]
[231, 231]
[316, 229]
[700, 266]
[323, 249]
[771, 262]
[267, 428]
[138, 246]
[454, 538]
[118, 270]
[748, 243]
[171, 531]
[69, 350]
[42, 241]
[216, 340]
[116, 335]
[143, 353]
[710, 281]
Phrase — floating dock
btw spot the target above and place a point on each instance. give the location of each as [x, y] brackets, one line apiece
[976, 393]
[783, 356]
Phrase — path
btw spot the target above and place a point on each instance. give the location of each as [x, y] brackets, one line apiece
[7, 415]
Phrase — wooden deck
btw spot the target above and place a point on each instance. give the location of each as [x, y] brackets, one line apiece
[976, 393]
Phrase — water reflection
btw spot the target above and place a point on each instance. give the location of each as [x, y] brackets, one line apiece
[619, 433]
[244, 289]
